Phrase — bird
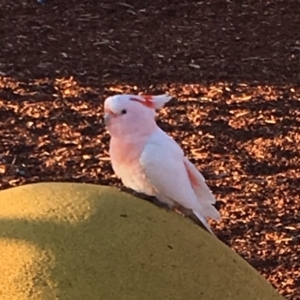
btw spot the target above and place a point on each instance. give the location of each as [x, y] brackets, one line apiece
[149, 161]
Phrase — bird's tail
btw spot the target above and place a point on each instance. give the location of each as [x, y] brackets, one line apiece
[203, 193]
[203, 221]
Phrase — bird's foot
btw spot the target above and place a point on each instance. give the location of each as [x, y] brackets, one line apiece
[176, 210]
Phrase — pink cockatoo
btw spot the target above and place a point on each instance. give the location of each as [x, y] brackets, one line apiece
[149, 161]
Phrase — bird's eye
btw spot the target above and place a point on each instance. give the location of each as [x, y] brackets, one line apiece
[124, 111]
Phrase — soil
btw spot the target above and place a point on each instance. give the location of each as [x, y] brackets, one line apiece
[233, 70]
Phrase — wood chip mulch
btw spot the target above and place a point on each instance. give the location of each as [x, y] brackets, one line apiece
[233, 69]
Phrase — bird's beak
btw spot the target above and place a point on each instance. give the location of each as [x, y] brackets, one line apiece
[107, 118]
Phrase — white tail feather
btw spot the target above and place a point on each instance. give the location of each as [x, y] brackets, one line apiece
[203, 193]
[203, 221]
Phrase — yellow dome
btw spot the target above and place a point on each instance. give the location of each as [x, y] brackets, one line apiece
[67, 241]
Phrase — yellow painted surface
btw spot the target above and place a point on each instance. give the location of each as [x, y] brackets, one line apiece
[67, 241]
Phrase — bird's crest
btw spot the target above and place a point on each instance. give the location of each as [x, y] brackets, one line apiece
[151, 101]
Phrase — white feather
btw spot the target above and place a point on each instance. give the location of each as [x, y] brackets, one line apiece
[163, 164]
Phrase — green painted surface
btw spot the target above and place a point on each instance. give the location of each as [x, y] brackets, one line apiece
[71, 241]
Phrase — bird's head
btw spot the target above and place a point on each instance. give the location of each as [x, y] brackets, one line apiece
[132, 114]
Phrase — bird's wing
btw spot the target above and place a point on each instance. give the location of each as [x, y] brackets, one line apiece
[163, 167]
[174, 177]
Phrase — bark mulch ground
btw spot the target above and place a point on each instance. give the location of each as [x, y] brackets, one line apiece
[233, 69]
